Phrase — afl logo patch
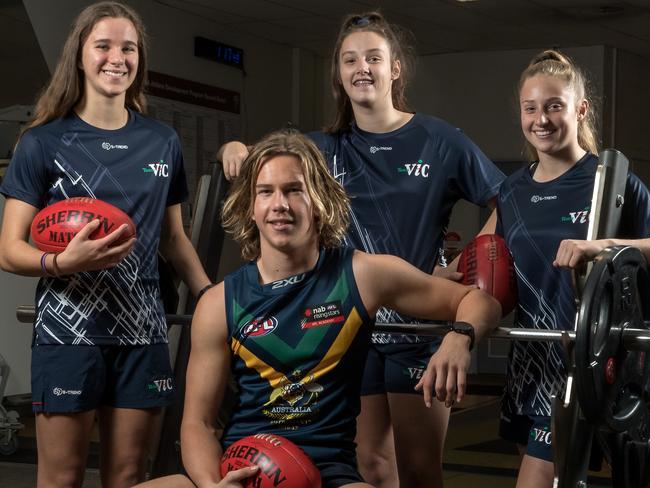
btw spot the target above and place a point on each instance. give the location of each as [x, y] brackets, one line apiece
[260, 327]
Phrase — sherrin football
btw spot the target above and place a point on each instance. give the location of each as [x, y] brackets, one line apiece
[55, 225]
[281, 462]
[487, 263]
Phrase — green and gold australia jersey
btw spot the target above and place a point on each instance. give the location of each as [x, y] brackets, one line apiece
[299, 345]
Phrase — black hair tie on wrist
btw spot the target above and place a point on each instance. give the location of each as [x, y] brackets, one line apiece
[203, 290]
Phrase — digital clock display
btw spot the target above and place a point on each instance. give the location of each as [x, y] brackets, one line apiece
[219, 52]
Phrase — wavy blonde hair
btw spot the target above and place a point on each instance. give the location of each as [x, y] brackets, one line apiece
[555, 64]
[331, 205]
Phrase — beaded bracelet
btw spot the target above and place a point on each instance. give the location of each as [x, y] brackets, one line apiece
[203, 290]
[43, 266]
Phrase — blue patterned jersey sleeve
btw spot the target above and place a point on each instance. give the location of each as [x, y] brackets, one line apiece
[480, 178]
[26, 178]
[473, 177]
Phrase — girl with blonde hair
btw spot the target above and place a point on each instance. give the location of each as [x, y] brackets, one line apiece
[543, 213]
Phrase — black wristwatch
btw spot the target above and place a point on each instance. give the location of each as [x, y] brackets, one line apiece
[465, 329]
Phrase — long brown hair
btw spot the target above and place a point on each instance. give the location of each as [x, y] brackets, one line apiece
[555, 64]
[65, 88]
[329, 200]
[400, 50]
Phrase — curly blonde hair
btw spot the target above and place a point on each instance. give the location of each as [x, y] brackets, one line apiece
[331, 205]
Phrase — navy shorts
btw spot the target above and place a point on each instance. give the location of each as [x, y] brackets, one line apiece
[335, 475]
[396, 368]
[67, 378]
[530, 431]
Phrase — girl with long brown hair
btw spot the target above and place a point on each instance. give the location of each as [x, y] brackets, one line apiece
[100, 337]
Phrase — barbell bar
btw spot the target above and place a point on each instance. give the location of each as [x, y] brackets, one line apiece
[633, 339]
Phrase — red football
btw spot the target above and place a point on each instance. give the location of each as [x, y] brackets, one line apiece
[487, 263]
[55, 225]
[281, 462]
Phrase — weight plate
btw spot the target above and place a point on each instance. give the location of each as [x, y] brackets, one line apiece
[612, 383]
[629, 459]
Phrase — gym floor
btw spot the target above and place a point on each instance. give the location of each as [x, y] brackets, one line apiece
[474, 454]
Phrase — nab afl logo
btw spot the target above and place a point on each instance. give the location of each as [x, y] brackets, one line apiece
[260, 327]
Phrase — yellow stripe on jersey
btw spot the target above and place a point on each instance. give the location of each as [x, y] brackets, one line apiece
[332, 357]
[253, 362]
[340, 345]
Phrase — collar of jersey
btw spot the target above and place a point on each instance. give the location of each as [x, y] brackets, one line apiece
[385, 135]
[108, 132]
[252, 276]
[579, 164]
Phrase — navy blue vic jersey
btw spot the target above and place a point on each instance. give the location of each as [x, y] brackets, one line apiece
[139, 169]
[402, 187]
[298, 350]
[534, 218]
